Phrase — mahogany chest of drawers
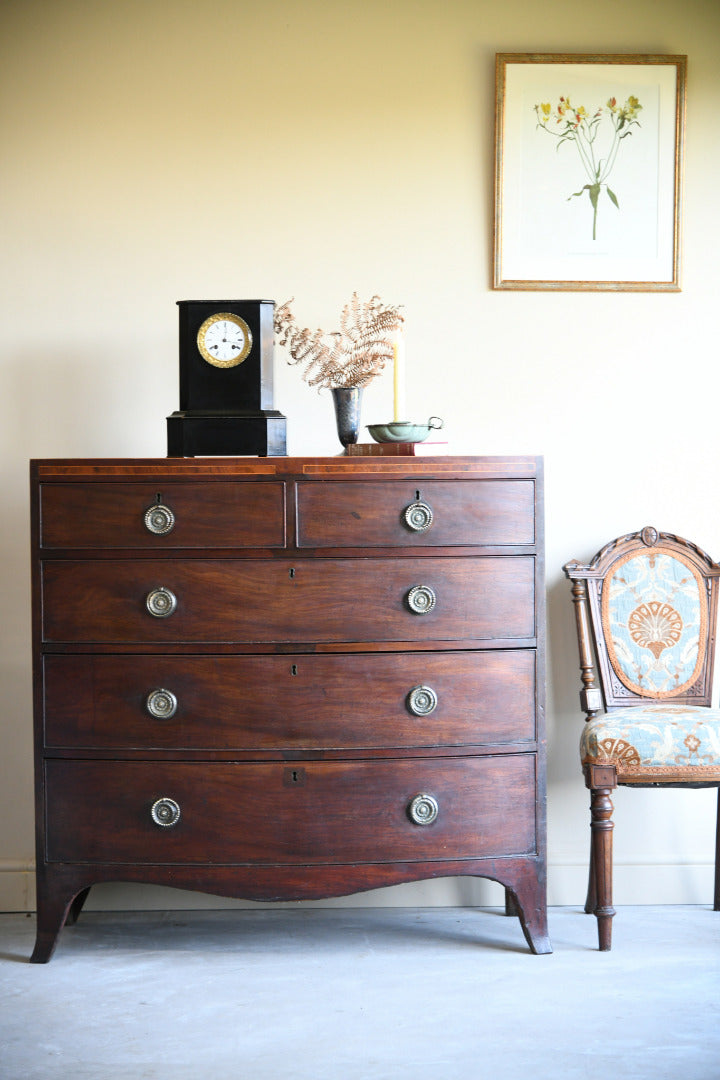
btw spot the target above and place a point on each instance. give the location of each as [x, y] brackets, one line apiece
[288, 678]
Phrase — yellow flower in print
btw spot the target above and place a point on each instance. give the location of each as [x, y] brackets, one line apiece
[574, 124]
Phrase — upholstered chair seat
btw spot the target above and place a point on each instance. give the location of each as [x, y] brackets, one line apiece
[655, 744]
[645, 608]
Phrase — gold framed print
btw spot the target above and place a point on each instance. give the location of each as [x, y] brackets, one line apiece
[588, 171]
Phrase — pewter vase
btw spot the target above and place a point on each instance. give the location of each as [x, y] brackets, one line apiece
[347, 401]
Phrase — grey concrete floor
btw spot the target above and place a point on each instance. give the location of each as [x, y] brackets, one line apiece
[362, 994]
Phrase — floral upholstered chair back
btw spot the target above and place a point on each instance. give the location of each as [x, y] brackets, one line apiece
[654, 612]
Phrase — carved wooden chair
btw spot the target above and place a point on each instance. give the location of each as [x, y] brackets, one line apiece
[646, 608]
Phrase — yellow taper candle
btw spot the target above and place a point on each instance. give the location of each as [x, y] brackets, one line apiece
[398, 377]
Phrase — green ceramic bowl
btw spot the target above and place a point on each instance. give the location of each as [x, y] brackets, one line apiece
[402, 431]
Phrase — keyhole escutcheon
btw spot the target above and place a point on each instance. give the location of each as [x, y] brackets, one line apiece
[294, 777]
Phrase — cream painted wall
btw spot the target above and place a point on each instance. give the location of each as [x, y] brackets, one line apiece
[156, 150]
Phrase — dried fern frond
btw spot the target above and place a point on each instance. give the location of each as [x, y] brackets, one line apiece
[351, 356]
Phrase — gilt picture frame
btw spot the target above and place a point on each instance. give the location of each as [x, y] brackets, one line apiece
[588, 171]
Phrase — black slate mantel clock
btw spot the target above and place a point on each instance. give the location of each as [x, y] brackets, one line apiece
[226, 381]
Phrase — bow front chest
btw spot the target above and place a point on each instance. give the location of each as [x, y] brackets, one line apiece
[288, 678]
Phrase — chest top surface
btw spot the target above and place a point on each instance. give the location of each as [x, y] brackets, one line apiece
[308, 467]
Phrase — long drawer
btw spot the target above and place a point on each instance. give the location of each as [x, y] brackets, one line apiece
[432, 513]
[279, 600]
[201, 515]
[295, 702]
[265, 813]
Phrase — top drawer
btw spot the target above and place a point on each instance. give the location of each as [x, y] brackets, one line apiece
[414, 513]
[204, 515]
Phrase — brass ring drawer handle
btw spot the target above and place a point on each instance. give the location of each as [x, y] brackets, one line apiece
[418, 516]
[159, 519]
[165, 812]
[161, 602]
[422, 700]
[421, 599]
[423, 810]
[161, 704]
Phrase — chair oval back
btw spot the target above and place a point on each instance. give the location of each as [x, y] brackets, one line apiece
[654, 611]
[653, 603]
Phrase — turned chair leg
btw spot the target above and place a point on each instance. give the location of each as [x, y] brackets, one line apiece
[601, 824]
[601, 780]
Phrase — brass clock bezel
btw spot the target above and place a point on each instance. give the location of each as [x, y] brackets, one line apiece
[239, 322]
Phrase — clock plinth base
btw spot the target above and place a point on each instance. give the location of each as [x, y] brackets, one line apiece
[201, 434]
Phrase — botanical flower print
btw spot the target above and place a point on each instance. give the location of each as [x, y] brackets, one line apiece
[572, 123]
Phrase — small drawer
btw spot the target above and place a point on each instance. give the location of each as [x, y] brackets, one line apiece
[274, 813]
[269, 601]
[160, 517]
[433, 513]
[263, 703]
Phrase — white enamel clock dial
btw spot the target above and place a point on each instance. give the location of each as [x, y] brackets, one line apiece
[224, 340]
